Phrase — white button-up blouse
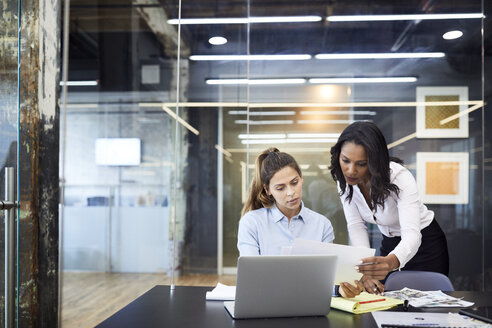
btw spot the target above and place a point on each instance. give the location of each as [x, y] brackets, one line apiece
[404, 215]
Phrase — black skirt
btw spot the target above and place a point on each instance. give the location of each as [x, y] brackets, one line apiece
[432, 254]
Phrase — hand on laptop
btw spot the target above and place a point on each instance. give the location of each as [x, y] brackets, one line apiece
[348, 290]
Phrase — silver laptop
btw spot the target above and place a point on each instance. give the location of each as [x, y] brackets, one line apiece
[283, 286]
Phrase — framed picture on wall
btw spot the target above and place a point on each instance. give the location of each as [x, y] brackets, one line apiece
[442, 177]
[429, 116]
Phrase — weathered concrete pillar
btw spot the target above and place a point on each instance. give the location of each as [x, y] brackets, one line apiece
[39, 148]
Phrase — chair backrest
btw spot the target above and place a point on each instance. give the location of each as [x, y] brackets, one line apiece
[421, 280]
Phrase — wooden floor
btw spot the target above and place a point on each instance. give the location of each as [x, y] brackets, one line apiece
[90, 298]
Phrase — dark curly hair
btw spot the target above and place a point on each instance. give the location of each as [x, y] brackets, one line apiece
[367, 135]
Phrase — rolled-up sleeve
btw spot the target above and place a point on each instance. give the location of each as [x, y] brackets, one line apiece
[247, 237]
[408, 204]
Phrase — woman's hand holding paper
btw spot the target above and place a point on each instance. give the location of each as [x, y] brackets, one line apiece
[378, 267]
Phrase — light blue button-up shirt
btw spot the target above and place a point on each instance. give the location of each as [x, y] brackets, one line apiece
[266, 230]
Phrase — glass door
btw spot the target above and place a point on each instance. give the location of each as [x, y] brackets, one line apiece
[9, 157]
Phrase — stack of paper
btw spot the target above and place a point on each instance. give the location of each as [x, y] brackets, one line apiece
[436, 298]
[364, 302]
[222, 293]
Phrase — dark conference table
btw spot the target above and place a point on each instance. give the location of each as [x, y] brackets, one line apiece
[187, 307]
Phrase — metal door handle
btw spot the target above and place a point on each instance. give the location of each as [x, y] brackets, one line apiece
[9, 206]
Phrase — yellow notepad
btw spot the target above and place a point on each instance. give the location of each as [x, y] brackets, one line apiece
[364, 302]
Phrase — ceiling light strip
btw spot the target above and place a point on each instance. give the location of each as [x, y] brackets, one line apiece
[262, 141]
[275, 113]
[245, 20]
[279, 122]
[254, 82]
[389, 55]
[293, 150]
[313, 140]
[402, 140]
[342, 80]
[289, 141]
[465, 112]
[337, 112]
[262, 136]
[250, 57]
[307, 104]
[372, 18]
[180, 120]
[289, 136]
[223, 151]
[326, 121]
[80, 83]
[313, 135]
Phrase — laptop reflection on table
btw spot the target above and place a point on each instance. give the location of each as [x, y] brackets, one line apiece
[283, 286]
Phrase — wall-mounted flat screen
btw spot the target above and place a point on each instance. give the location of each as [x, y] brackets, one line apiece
[118, 151]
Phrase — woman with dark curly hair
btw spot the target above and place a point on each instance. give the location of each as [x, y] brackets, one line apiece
[375, 188]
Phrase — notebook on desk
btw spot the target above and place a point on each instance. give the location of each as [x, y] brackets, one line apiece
[283, 286]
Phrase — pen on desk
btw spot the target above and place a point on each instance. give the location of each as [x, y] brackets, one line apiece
[372, 301]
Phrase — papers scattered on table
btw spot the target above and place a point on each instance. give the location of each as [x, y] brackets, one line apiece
[221, 293]
[348, 256]
[419, 298]
[426, 319]
[364, 303]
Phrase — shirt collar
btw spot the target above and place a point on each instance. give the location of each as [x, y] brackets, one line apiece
[277, 215]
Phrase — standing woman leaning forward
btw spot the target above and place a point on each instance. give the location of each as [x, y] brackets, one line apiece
[376, 188]
[274, 215]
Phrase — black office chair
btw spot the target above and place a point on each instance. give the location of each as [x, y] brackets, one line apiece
[420, 280]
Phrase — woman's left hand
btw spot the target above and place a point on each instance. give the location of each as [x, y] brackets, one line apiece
[372, 286]
[378, 267]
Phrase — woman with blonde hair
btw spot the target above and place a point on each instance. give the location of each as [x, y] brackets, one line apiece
[274, 215]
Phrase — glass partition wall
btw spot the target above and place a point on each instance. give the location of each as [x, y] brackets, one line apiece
[165, 118]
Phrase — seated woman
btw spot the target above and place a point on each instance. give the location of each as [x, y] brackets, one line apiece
[274, 214]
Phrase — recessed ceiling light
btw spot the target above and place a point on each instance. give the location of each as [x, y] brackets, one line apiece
[245, 20]
[217, 40]
[451, 35]
[368, 18]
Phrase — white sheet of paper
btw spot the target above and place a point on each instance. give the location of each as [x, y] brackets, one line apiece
[348, 256]
[221, 293]
[427, 319]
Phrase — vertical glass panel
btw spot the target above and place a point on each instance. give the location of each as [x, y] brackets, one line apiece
[119, 156]
[213, 166]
